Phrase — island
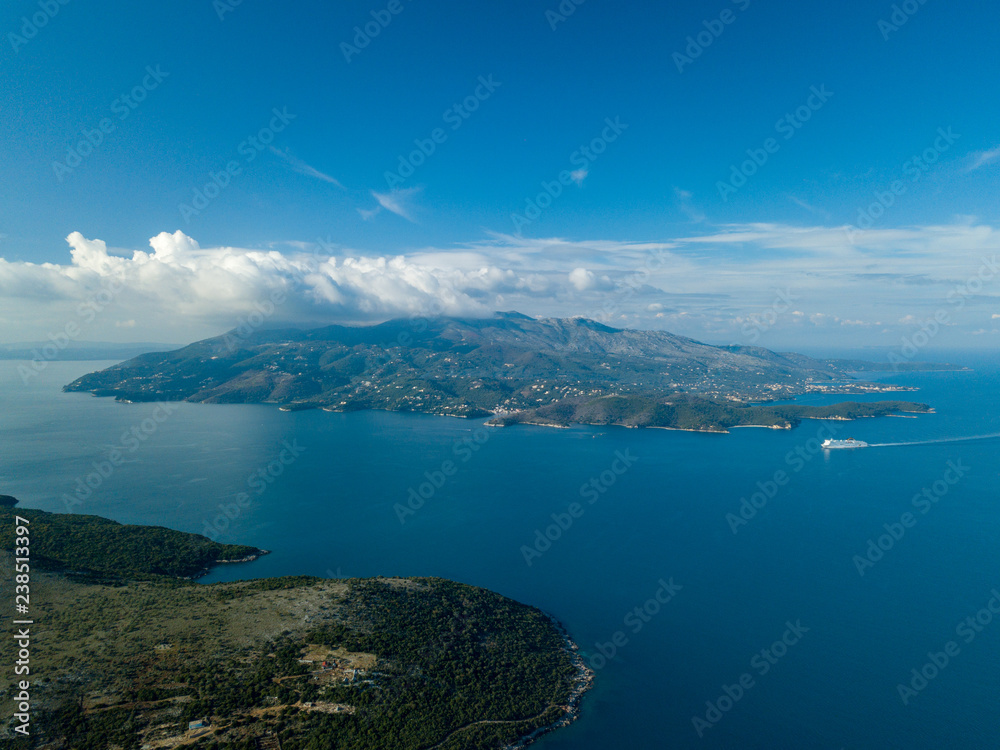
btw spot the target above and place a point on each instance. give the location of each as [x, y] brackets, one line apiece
[695, 414]
[128, 652]
[510, 368]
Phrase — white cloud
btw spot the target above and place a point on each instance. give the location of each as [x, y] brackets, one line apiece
[179, 290]
[301, 167]
[809, 207]
[398, 201]
[700, 285]
[582, 279]
[579, 175]
[984, 158]
[684, 202]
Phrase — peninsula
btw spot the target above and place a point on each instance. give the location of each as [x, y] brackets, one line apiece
[134, 655]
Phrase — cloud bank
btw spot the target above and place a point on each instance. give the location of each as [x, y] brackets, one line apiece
[769, 284]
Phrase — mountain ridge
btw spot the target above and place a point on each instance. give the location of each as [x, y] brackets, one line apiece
[467, 367]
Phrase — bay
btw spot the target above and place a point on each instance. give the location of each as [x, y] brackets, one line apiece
[664, 502]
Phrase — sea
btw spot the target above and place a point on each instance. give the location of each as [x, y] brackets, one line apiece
[746, 590]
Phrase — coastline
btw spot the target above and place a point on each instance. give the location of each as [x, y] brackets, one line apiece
[498, 417]
[683, 429]
[582, 681]
[248, 559]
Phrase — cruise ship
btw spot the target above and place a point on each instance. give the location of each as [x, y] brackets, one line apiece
[849, 443]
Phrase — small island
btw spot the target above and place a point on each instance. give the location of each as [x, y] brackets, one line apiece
[695, 414]
[133, 654]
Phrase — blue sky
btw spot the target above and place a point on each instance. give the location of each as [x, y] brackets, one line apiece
[319, 185]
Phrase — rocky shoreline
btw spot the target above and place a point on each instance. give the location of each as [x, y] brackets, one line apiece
[582, 682]
[249, 558]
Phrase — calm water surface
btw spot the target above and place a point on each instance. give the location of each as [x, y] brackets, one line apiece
[334, 510]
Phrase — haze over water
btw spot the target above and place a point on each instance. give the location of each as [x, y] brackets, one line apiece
[331, 511]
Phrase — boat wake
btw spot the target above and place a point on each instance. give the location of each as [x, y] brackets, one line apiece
[939, 440]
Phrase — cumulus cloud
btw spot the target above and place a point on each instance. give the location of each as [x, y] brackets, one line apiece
[579, 175]
[584, 280]
[581, 278]
[178, 287]
[705, 286]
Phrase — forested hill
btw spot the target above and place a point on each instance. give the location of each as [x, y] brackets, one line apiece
[125, 655]
[462, 367]
[92, 546]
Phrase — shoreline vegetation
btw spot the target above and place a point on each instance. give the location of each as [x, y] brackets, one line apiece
[135, 657]
[97, 548]
[508, 369]
[690, 414]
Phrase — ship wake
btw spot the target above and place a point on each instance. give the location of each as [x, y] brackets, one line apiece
[939, 440]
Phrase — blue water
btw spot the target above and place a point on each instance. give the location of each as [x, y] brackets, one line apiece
[330, 511]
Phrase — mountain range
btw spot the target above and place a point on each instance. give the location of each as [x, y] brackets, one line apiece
[511, 366]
